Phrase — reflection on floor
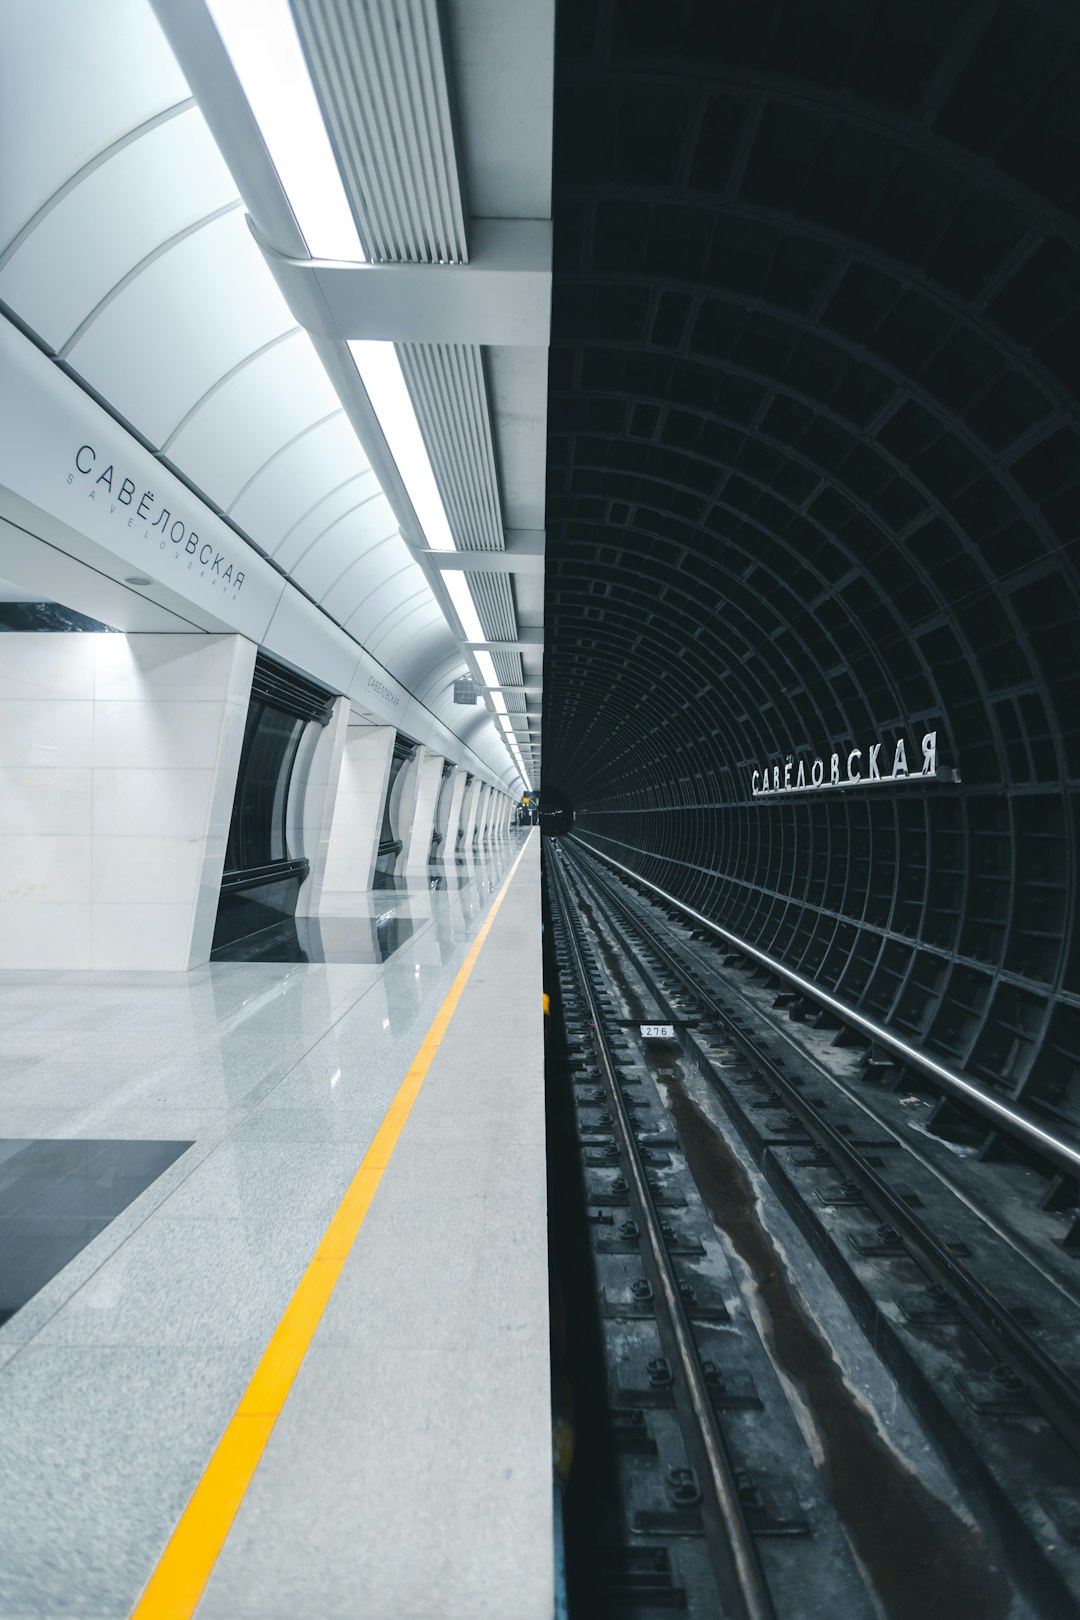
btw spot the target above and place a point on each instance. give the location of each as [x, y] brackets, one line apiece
[417, 883]
[322, 939]
[56, 1196]
[348, 930]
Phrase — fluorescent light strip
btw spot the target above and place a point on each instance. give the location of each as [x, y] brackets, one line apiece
[381, 375]
[264, 48]
[486, 665]
[457, 587]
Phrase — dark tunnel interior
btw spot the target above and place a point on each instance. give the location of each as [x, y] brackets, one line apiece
[814, 486]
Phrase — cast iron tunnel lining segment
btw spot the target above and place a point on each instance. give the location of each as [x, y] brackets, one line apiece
[813, 481]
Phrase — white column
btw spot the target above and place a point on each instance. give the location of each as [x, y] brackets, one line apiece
[492, 816]
[358, 810]
[489, 812]
[118, 764]
[468, 814]
[481, 811]
[428, 781]
[453, 815]
[493, 819]
[403, 798]
[311, 801]
[440, 816]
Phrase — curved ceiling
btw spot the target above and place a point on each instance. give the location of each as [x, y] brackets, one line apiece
[814, 483]
[125, 251]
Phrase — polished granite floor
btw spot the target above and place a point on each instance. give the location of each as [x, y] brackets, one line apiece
[118, 1375]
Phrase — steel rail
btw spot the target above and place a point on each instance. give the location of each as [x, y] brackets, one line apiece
[748, 1571]
[1007, 1116]
[1055, 1391]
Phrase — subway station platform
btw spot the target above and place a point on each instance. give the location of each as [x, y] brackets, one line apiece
[292, 1358]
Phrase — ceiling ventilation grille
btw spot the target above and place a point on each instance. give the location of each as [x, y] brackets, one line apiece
[379, 72]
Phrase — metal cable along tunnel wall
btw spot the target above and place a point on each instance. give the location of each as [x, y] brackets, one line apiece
[814, 483]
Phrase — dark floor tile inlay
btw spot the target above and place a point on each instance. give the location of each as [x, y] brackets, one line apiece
[55, 1196]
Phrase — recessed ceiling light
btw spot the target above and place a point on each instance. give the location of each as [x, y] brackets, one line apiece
[261, 39]
[137, 579]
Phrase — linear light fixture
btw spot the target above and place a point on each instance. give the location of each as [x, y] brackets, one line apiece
[264, 48]
[381, 374]
[486, 665]
[458, 590]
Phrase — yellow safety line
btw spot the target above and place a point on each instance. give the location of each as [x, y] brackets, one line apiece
[177, 1584]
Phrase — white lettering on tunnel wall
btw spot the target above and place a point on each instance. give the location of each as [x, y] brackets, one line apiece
[876, 763]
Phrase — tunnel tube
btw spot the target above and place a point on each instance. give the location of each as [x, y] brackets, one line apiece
[815, 492]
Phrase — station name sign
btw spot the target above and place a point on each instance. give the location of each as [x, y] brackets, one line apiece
[116, 491]
[857, 767]
[381, 690]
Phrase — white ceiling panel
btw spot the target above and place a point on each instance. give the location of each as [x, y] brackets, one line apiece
[438, 689]
[366, 524]
[340, 503]
[416, 648]
[380, 602]
[75, 76]
[148, 191]
[181, 324]
[297, 478]
[352, 537]
[335, 554]
[474, 724]
[263, 406]
[400, 630]
[341, 597]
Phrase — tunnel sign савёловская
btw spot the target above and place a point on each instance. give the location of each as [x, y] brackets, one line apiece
[846, 769]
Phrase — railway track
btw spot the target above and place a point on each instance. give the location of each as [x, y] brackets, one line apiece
[977, 1324]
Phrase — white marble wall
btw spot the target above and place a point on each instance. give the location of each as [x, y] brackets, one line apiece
[118, 762]
[358, 808]
[311, 807]
[418, 840]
